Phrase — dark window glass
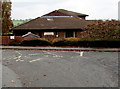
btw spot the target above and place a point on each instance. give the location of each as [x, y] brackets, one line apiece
[69, 34]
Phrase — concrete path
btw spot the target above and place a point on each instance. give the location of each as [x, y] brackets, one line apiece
[61, 48]
[9, 78]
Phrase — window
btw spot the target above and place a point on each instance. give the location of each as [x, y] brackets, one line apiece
[40, 34]
[48, 33]
[69, 34]
[49, 19]
[12, 37]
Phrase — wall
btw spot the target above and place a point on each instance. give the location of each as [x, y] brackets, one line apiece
[51, 37]
[61, 34]
[5, 40]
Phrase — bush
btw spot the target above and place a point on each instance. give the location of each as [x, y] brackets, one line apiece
[65, 42]
[100, 43]
[108, 43]
[72, 39]
[57, 40]
[15, 43]
[35, 42]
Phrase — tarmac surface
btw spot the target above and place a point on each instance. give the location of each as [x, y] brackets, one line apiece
[25, 68]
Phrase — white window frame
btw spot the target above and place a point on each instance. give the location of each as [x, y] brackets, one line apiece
[57, 34]
[48, 33]
[74, 34]
[12, 37]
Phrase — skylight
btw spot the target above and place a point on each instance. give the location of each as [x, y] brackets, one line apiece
[55, 16]
[50, 19]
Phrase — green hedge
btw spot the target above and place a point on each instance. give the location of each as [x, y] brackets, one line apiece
[35, 43]
[90, 43]
[109, 43]
[15, 43]
[103, 44]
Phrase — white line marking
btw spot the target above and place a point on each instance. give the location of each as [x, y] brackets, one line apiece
[33, 54]
[81, 53]
[57, 56]
[19, 60]
[34, 60]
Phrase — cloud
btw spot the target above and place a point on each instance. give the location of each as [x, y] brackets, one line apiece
[96, 9]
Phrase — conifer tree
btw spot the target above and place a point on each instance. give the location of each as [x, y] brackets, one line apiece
[6, 16]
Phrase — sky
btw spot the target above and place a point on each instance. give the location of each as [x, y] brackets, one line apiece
[119, 10]
[96, 9]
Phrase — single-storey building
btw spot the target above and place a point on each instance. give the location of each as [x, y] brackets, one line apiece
[57, 24]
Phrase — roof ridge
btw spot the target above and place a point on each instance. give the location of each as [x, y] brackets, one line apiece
[29, 34]
[63, 10]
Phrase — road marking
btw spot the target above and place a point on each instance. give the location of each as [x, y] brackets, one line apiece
[18, 52]
[19, 60]
[34, 60]
[34, 54]
[57, 56]
[81, 53]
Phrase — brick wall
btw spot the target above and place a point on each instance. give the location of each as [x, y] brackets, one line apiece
[51, 37]
[61, 34]
[5, 40]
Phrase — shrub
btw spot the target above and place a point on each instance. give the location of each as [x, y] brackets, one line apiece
[108, 43]
[57, 40]
[100, 43]
[35, 42]
[72, 39]
[65, 42]
[15, 43]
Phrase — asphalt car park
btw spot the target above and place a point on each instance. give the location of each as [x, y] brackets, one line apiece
[25, 68]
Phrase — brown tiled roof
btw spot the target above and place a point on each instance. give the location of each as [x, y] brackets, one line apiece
[42, 23]
[64, 13]
[71, 13]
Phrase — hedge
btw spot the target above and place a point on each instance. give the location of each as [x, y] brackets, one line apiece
[103, 44]
[89, 43]
[15, 43]
[35, 42]
[108, 43]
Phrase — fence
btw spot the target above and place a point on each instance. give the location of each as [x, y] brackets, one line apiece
[6, 40]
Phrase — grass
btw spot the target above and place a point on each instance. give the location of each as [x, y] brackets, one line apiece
[18, 22]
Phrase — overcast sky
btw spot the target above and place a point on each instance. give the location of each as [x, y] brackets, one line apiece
[96, 9]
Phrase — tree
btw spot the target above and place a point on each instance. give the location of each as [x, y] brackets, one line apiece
[0, 17]
[6, 16]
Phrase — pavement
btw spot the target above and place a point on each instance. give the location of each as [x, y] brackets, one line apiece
[10, 78]
[41, 68]
[61, 48]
